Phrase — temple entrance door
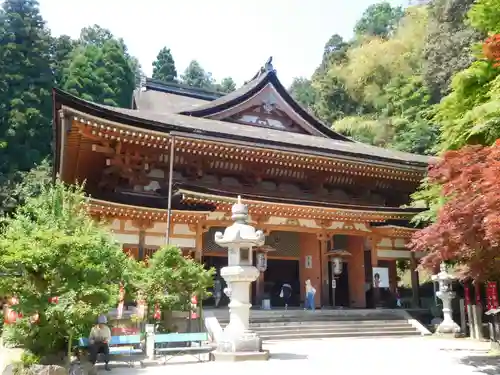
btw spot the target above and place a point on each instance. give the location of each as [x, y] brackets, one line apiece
[342, 286]
[280, 271]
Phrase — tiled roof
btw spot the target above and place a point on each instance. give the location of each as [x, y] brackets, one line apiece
[202, 127]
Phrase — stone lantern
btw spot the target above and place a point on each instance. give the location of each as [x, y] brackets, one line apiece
[445, 294]
[238, 342]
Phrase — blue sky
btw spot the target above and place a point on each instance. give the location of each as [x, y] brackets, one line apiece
[229, 38]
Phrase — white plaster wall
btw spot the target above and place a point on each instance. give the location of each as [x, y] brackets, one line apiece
[115, 224]
[127, 238]
[129, 226]
[183, 229]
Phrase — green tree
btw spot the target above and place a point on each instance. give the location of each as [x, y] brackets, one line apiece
[389, 101]
[379, 20]
[447, 44]
[170, 280]
[227, 85]
[333, 101]
[16, 188]
[101, 74]
[61, 49]
[303, 92]
[469, 113]
[97, 36]
[196, 76]
[26, 81]
[484, 16]
[164, 66]
[49, 248]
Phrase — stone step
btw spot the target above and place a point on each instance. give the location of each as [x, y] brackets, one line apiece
[325, 329]
[325, 335]
[353, 323]
[309, 315]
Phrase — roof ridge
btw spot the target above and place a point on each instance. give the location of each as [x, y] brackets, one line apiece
[181, 89]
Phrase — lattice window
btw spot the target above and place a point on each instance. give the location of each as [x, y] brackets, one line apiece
[209, 245]
[286, 244]
[149, 251]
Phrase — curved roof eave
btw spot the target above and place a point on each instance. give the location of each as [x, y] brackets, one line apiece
[253, 87]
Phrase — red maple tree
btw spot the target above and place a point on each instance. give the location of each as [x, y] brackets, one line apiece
[467, 229]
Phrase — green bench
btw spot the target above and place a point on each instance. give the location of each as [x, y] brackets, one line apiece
[169, 345]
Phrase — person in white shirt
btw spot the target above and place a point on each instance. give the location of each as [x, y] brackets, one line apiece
[99, 339]
[309, 300]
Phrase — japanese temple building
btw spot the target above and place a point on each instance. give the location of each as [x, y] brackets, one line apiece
[172, 165]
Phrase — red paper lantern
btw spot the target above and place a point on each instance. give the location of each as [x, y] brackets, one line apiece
[54, 300]
[10, 316]
[157, 313]
[194, 306]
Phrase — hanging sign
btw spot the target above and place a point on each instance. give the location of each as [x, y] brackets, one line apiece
[491, 295]
[494, 295]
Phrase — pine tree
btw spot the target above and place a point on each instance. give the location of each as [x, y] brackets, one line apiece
[26, 80]
[164, 66]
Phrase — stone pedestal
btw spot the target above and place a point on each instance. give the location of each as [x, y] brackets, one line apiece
[447, 326]
[238, 342]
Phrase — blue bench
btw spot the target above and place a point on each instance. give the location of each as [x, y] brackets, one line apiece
[126, 348]
[194, 344]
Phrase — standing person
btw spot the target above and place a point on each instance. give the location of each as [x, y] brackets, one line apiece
[310, 292]
[217, 290]
[99, 338]
[286, 293]
[398, 297]
[376, 280]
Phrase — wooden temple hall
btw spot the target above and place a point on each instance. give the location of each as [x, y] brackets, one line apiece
[169, 168]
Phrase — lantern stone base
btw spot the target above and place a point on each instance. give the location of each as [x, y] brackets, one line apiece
[448, 328]
[241, 356]
[241, 347]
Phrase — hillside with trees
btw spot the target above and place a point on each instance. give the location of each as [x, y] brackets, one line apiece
[421, 79]
[426, 80]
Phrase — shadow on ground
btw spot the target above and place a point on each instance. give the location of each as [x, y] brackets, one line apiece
[287, 356]
[483, 364]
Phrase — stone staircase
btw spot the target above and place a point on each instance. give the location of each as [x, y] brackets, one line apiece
[298, 324]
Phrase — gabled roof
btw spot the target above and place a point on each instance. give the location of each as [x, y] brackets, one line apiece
[252, 88]
[170, 97]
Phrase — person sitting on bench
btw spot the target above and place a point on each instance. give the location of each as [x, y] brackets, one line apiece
[99, 338]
